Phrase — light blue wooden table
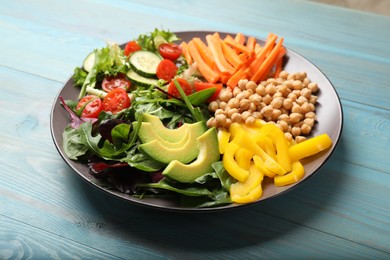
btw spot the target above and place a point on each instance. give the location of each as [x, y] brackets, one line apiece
[48, 212]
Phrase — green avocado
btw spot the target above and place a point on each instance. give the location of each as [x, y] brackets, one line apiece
[185, 150]
[149, 132]
[167, 134]
[208, 154]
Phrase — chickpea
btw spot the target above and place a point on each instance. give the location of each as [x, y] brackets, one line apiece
[277, 102]
[242, 84]
[313, 87]
[260, 89]
[267, 99]
[270, 89]
[247, 93]
[222, 105]
[225, 95]
[296, 108]
[257, 115]
[252, 107]
[255, 99]
[244, 104]
[300, 139]
[306, 82]
[292, 96]
[305, 129]
[284, 117]
[275, 114]
[288, 103]
[309, 122]
[234, 103]
[240, 96]
[267, 111]
[306, 93]
[297, 85]
[301, 100]
[288, 136]
[310, 115]
[236, 117]
[283, 125]
[305, 108]
[245, 115]
[313, 99]
[220, 120]
[231, 111]
[236, 91]
[250, 121]
[211, 122]
[295, 117]
[283, 74]
[251, 85]
[295, 131]
[213, 106]
[219, 111]
[228, 123]
[284, 90]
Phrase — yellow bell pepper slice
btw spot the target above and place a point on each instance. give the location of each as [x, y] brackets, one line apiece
[254, 195]
[243, 158]
[310, 147]
[267, 145]
[297, 173]
[261, 167]
[247, 142]
[223, 140]
[241, 189]
[281, 144]
[231, 165]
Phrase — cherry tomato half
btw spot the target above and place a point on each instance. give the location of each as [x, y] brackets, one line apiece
[91, 106]
[119, 81]
[116, 100]
[170, 51]
[131, 47]
[166, 70]
[200, 85]
[172, 90]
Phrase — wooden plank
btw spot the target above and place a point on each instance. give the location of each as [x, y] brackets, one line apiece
[23, 241]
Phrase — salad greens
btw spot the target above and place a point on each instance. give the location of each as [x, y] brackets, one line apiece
[109, 144]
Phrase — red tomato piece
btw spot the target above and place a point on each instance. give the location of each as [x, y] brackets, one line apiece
[170, 51]
[116, 100]
[200, 85]
[172, 90]
[91, 106]
[119, 81]
[166, 70]
[131, 47]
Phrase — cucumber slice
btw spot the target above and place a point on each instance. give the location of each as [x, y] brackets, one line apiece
[145, 63]
[140, 80]
[89, 61]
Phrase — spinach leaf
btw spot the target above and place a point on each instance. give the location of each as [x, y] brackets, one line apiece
[72, 143]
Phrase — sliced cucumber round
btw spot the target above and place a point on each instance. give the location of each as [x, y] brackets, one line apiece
[89, 61]
[145, 63]
[140, 80]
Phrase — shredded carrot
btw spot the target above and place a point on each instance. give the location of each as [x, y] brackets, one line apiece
[186, 53]
[268, 62]
[214, 43]
[208, 73]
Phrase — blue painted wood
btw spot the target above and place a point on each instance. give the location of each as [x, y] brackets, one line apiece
[46, 211]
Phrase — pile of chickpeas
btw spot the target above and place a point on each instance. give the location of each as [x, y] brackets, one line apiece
[288, 101]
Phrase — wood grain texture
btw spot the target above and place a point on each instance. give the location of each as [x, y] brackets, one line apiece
[47, 211]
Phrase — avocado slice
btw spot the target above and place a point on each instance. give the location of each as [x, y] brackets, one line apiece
[208, 154]
[149, 132]
[167, 134]
[182, 151]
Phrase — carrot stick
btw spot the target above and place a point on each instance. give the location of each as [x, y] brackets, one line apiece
[208, 73]
[251, 42]
[236, 77]
[240, 38]
[204, 52]
[214, 43]
[231, 56]
[186, 53]
[268, 62]
[260, 57]
[240, 47]
[279, 62]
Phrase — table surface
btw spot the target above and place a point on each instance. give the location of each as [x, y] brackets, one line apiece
[48, 211]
